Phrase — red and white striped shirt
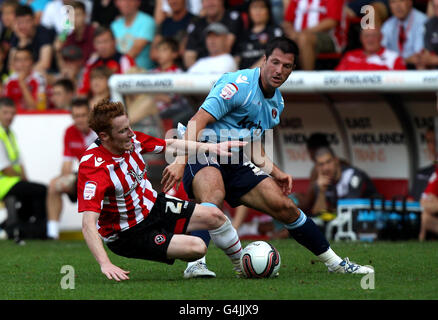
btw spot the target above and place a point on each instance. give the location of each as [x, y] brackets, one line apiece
[304, 14]
[116, 186]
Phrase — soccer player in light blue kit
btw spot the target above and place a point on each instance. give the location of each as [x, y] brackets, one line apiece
[243, 105]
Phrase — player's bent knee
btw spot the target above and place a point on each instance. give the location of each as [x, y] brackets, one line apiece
[214, 218]
[287, 211]
[198, 248]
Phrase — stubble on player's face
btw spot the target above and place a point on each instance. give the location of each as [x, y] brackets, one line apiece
[277, 68]
[121, 135]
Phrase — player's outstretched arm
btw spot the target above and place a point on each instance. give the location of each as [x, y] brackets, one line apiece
[95, 245]
[184, 147]
[171, 174]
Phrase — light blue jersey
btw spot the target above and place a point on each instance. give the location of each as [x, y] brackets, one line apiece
[241, 111]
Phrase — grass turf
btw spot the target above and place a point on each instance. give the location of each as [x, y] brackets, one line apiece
[403, 270]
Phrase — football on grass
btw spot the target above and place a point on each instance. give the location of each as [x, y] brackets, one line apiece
[260, 260]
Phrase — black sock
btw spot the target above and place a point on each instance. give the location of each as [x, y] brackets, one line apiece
[307, 233]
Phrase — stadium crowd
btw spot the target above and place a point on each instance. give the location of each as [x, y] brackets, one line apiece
[48, 62]
[40, 46]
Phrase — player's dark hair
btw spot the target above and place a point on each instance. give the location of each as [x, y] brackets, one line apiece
[284, 44]
[80, 102]
[6, 102]
[23, 10]
[66, 84]
[103, 113]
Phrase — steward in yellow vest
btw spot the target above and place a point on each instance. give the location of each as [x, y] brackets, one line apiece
[9, 143]
[28, 219]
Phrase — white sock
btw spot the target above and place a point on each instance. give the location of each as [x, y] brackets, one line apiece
[191, 263]
[53, 229]
[226, 238]
[330, 258]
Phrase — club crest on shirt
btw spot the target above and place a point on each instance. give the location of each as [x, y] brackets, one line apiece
[137, 179]
[90, 190]
[274, 113]
[229, 91]
[160, 239]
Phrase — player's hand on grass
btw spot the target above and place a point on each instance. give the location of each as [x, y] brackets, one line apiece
[113, 272]
[223, 148]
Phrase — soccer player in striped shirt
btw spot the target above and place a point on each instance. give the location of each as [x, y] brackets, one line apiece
[120, 206]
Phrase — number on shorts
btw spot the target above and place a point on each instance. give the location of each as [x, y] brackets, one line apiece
[256, 170]
[174, 208]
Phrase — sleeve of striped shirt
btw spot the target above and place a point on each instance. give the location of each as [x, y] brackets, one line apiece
[92, 185]
[150, 144]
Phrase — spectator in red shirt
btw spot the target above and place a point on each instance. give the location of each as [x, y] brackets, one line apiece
[106, 55]
[76, 140]
[372, 56]
[318, 26]
[27, 88]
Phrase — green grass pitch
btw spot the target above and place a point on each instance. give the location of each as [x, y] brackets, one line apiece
[403, 270]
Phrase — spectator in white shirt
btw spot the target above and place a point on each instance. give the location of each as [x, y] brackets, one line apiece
[219, 60]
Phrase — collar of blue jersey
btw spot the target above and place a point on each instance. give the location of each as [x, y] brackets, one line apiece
[265, 93]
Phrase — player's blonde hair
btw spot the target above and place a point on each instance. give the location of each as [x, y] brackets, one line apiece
[102, 113]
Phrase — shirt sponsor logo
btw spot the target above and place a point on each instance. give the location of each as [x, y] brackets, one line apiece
[90, 190]
[229, 91]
